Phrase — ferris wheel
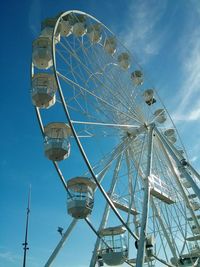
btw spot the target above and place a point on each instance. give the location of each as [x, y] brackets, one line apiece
[92, 98]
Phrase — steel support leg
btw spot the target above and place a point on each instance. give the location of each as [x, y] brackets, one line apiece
[146, 200]
[106, 211]
[60, 244]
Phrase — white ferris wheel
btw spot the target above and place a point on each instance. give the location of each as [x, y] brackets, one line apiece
[92, 98]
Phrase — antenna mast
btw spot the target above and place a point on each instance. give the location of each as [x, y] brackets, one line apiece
[25, 244]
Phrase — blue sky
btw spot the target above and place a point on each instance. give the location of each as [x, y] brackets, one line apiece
[165, 38]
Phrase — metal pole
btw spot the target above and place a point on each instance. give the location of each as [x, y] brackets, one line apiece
[106, 211]
[130, 184]
[146, 200]
[143, 176]
[179, 164]
[60, 244]
[25, 244]
[159, 218]
[164, 229]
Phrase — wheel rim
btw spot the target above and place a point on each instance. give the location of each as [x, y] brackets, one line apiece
[103, 104]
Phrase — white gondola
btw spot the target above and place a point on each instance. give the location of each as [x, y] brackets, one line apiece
[41, 55]
[169, 132]
[110, 45]
[66, 26]
[171, 135]
[160, 115]
[160, 190]
[43, 91]
[192, 196]
[79, 25]
[195, 205]
[94, 33]
[149, 97]
[190, 219]
[48, 28]
[114, 251]
[172, 139]
[81, 197]
[56, 143]
[137, 77]
[185, 183]
[124, 60]
[195, 230]
[188, 259]
[181, 151]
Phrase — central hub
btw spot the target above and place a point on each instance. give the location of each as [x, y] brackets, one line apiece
[135, 131]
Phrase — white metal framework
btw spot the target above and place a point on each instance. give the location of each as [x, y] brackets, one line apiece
[130, 147]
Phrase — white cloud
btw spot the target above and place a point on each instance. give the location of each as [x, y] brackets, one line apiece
[193, 159]
[35, 16]
[9, 256]
[189, 51]
[12, 258]
[189, 93]
[142, 32]
[196, 5]
[185, 113]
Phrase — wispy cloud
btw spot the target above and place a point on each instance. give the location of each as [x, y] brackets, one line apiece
[143, 32]
[35, 16]
[189, 109]
[193, 159]
[189, 93]
[9, 256]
